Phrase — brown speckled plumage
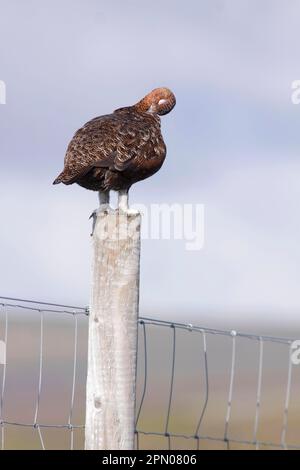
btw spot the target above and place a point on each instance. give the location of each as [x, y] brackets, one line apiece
[113, 152]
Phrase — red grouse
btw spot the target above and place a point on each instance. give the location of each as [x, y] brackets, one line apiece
[114, 151]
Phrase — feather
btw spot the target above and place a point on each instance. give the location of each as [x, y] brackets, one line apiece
[117, 150]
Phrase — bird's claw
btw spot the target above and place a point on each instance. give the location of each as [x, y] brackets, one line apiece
[103, 209]
[127, 211]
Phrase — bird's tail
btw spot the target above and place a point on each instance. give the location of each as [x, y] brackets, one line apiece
[57, 180]
[61, 178]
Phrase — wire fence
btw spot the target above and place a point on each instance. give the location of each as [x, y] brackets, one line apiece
[189, 380]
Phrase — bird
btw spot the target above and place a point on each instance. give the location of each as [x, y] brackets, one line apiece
[114, 151]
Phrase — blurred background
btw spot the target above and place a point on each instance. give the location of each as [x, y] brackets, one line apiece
[232, 142]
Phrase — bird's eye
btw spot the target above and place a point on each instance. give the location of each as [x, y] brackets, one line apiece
[162, 101]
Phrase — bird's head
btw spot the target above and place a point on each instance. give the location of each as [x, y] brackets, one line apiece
[159, 101]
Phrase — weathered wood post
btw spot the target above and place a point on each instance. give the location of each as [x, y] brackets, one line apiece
[113, 322]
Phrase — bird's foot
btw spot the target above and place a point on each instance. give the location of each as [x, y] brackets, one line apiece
[103, 209]
[127, 211]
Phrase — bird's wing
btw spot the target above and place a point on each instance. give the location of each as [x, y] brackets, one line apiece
[115, 142]
[139, 141]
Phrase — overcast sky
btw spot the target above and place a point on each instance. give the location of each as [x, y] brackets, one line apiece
[233, 144]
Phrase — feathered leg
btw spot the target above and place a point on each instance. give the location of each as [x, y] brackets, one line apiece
[123, 200]
[103, 207]
[123, 203]
[104, 200]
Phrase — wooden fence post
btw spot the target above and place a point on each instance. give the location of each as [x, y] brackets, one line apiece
[113, 323]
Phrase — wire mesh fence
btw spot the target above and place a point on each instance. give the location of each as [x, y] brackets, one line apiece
[197, 387]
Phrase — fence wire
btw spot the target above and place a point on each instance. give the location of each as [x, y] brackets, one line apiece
[10, 306]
